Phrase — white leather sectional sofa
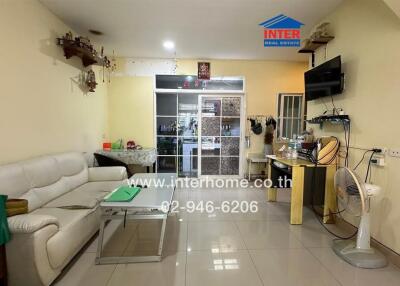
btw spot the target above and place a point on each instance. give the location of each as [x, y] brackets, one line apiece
[63, 195]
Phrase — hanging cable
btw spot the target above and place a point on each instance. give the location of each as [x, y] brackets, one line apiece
[369, 165]
[362, 159]
[315, 211]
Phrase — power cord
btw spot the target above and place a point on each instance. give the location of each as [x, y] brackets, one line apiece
[313, 206]
[374, 151]
[362, 159]
[369, 165]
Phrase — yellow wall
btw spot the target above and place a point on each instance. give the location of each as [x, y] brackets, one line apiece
[131, 109]
[367, 36]
[42, 109]
[264, 80]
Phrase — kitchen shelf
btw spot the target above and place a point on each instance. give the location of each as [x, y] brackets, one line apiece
[332, 119]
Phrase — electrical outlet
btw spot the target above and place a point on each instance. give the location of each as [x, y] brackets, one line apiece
[383, 150]
[394, 153]
[378, 161]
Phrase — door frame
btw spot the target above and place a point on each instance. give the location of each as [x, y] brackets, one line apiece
[199, 92]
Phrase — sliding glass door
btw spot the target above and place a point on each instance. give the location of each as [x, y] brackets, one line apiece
[177, 133]
[198, 125]
[220, 135]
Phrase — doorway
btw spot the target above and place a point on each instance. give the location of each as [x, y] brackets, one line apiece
[198, 125]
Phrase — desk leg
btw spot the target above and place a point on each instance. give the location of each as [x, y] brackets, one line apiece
[100, 241]
[296, 202]
[249, 167]
[330, 196]
[271, 192]
[161, 243]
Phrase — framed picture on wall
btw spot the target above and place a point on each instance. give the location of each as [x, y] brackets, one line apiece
[203, 70]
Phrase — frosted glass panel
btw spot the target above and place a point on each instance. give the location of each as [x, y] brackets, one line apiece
[210, 165]
[210, 126]
[230, 166]
[231, 106]
[230, 146]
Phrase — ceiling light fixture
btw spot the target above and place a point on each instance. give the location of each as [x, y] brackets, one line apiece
[95, 32]
[169, 45]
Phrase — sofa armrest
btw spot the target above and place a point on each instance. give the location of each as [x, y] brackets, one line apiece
[29, 223]
[107, 174]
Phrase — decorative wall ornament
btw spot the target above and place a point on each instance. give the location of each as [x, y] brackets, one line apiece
[81, 47]
[91, 80]
[203, 70]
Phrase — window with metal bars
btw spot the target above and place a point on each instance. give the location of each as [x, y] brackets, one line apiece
[290, 115]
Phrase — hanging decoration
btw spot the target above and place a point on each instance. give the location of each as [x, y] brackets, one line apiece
[81, 47]
[91, 80]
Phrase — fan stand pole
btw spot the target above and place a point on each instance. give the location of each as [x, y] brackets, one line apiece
[363, 234]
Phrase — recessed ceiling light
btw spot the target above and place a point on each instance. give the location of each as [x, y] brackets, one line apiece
[169, 45]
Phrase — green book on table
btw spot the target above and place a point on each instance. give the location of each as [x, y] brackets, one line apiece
[123, 194]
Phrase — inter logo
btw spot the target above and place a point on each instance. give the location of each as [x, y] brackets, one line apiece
[281, 31]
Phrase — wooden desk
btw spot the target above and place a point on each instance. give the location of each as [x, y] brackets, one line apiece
[296, 202]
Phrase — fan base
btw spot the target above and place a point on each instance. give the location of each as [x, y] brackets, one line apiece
[362, 258]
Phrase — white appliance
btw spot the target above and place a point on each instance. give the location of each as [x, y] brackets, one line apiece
[354, 195]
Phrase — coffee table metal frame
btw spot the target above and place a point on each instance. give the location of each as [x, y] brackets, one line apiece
[146, 205]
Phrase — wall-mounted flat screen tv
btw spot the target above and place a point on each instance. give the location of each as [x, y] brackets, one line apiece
[324, 80]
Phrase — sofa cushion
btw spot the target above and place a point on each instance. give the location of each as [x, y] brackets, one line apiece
[75, 229]
[42, 171]
[107, 174]
[14, 182]
[88, 196]
[73, 167]
[38, 197]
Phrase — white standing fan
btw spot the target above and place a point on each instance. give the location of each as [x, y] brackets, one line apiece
[351, 191]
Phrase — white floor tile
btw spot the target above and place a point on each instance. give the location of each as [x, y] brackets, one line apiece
[265, 234]
[291, 267]
[221, 236]
[231, 269]
[85, 272]
[312, 234]
[169, 272]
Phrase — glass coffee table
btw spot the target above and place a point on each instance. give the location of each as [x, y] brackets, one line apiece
[153, 202]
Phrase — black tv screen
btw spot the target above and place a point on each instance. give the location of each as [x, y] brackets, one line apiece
[324, 80]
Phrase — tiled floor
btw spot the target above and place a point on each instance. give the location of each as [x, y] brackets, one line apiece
[225, 249]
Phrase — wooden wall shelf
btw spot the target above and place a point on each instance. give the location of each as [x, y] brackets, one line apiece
[311, 45]
[88, 55]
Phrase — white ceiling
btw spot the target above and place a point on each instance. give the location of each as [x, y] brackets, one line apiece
[215, 29]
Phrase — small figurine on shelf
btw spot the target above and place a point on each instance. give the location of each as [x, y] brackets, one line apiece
[91, 80]
[69, 36]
